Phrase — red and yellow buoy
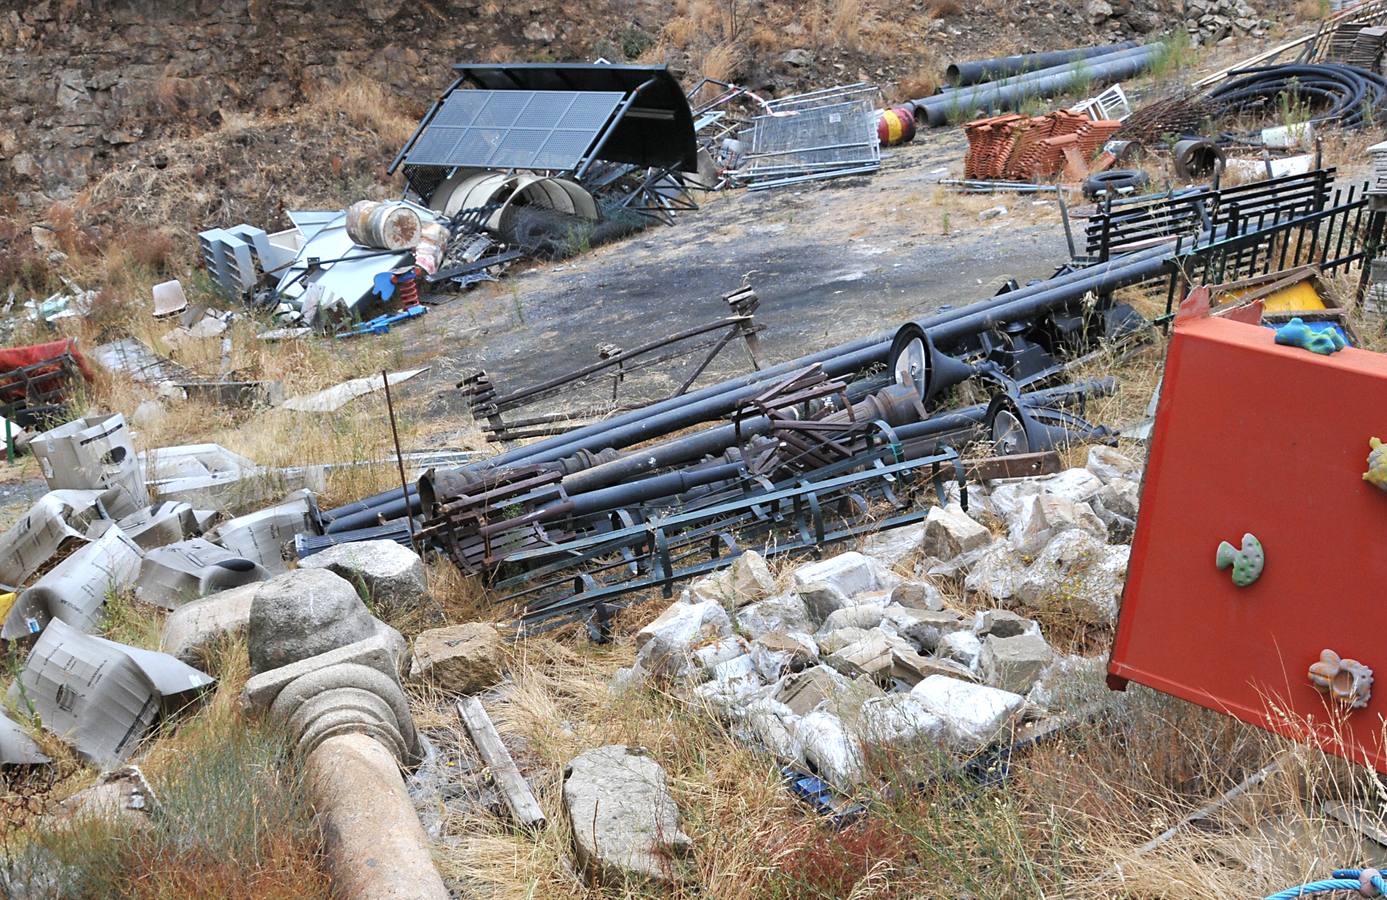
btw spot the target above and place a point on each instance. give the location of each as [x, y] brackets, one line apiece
[896, 126]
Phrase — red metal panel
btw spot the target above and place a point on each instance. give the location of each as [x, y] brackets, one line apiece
[1255, 437]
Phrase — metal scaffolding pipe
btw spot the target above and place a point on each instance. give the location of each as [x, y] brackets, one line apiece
[980, 70]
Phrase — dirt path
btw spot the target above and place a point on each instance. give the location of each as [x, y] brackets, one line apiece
[830, 262]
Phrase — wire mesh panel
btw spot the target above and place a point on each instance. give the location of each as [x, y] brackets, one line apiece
[550, 130]
[819, 141]
[863, 90]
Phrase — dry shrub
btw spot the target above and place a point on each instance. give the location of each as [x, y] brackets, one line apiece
[370, 105]
[722, 62]
[939, 9]
[922, 82]
[818, 862]
[848, 19]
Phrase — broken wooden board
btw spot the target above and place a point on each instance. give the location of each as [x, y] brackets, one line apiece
[524, 808]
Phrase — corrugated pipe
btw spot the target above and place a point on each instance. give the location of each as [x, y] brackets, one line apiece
[979, 70]
[940, 109]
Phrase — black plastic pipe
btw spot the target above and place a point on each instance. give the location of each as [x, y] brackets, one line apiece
[980, 70]
[940, 109]
[718, 400]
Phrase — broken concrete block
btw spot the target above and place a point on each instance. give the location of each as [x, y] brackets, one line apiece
[728, 698]
[773, 724]
[924, 628]
[996, 572]
[1120, 496]
[1078, 573]
[625, 824]
[917, 595]
[1014, 663]
[1006, 498]
[783, 612]
[749, 579]
[75, 590]
[391, 575]
[950, 532]
[963, 647]
[121, 796]
[822, 599]
[778, 652]
[1110, 465]
[893, 547]
[738, 667]
[1003, 623]
[193, 630]
[973, 714]
[666, 645]
[804, 691]
[833, 641]
[93, 453]
[709, 656]
[870, 656]
[868, 615]
[302, 613]
[177, 573]
[910, 668]
[460, 659]
[849, 573]
[1074, 485]
[1043, 516]
[834, 752]
[898, 720]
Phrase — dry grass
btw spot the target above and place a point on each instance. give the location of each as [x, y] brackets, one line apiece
[370, 105]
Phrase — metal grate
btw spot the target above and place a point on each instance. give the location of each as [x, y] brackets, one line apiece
[514, 129]
[818, 142]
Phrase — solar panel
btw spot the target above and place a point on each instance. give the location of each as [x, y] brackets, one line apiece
[514, 129]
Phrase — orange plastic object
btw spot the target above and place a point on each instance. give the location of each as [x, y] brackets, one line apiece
[1255, 437]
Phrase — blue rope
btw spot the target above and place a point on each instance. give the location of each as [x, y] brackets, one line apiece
[1343, 880]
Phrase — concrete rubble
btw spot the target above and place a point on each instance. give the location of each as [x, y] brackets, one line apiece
[625, 824]
[460, 659]
[854, 658]
[391, 576]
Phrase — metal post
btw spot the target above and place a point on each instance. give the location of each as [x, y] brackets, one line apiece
[399, 459]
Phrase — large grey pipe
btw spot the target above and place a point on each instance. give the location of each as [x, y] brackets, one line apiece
[980, 70]
[940, 109]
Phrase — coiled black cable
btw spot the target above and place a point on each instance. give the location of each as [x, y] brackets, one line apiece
[1344, 95]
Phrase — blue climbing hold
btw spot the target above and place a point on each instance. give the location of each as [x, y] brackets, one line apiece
[1296, 333]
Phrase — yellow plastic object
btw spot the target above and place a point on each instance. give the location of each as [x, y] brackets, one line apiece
[1376, 474]
[6, 601]
[1293, 298]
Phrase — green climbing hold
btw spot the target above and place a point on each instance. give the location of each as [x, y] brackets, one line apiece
[1247, 563]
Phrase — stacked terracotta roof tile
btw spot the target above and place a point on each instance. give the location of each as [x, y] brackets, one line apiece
[1030, 147]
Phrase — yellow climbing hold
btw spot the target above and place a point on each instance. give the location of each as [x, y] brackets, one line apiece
[1377, 465]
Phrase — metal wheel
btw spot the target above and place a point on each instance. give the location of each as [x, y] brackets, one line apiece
[912, 364]
[1008, 433]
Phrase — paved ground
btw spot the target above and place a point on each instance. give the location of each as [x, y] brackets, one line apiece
[830, 262]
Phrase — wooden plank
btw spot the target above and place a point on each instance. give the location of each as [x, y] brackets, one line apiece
[524, 808]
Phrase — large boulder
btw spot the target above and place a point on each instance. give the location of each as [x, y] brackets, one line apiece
[1074, 485]
[625, 823]
[391, 575]
[193, 630]
[302, 613]
[835, 753]
[868, 615]
[996, 571]
[917, 595]
[1079, 574]
[896, 720]
[460, 659]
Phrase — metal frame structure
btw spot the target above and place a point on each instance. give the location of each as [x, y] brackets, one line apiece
[651, 125]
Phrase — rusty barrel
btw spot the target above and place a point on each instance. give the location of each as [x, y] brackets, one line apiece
[387, 226]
